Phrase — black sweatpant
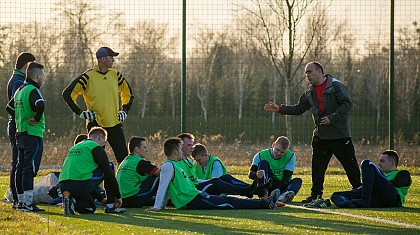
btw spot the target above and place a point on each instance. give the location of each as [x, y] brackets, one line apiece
[205, 201]
[29, 159]
[146, 195]
[116, 139]
[377, 190]
[322, 151]
[83, 190]
[11, 132]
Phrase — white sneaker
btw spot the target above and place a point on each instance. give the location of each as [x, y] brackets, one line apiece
[273, 198]
[287, 196]
[114, 210]
[69, 205]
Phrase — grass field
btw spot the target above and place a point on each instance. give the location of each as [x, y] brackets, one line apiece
[292, 219]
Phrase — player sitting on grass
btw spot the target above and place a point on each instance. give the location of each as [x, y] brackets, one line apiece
[214, 186]
[383, 185]
[174, 184]
[275, 167]
[206, 166]
[137, 177]
[100, 192]
[209, 169]
[85, 167]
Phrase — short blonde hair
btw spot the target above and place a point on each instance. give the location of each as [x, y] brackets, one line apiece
[283, 141]
[98, 131]
[198, 149]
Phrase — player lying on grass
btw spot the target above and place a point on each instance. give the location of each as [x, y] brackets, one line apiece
[137, 178]
[382, 186]
[175, 185]
[275, 167]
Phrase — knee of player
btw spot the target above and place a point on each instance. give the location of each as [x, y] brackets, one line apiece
[365, 163]
[263, 163]
[298, 181]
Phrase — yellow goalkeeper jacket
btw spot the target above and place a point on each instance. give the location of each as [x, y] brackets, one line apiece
[100, 92]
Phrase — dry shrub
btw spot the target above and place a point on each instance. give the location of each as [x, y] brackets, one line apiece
[237, 153]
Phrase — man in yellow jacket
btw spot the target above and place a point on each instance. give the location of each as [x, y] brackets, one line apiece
[100, 87]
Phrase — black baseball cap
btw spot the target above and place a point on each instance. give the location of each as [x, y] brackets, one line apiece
[105, 51]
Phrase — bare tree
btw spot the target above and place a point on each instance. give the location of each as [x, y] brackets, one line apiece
[243, 70]
[204, 62]
[6, 60]
[17, 41]
[46, 50]
[279, 27]
[407, 60]
[343, 59]
[3, 37]
[81, 30]
[374, 73]
[78, 35]
[150, 45]
[174, 70]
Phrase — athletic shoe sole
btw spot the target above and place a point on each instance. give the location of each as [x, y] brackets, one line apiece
[287, 196]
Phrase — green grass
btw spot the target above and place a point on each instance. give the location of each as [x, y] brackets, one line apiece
[285, 220]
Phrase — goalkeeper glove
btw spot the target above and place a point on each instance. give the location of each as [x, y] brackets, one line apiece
[89, 115]
[122, 115]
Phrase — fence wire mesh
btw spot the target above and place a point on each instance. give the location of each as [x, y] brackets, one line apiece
[240, 55]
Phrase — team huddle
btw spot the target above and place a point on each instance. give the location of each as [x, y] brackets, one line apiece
[190, 178]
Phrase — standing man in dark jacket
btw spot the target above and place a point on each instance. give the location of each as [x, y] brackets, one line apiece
[27, 106]
[101, 87]
[330, 103]
[17, 79]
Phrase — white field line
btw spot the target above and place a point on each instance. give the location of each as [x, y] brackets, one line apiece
[356, 216]
[288, 205]
[39, 216]
[47, 220]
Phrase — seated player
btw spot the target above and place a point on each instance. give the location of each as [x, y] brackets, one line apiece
[275, 167]
[214, 186]
[382, 186]
[175, 185]
[100, 192]
[137, 177]
[79, 138]
[85, 167]
[208, 167]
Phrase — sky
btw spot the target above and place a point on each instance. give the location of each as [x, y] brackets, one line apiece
[362, 12]
[369, 18]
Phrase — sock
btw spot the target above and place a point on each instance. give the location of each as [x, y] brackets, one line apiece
[110, 205]
[29, 197]
[21, 198]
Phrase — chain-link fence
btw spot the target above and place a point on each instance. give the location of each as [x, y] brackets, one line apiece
[240, 55]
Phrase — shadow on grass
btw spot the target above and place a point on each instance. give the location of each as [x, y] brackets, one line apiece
[281, 220]
[390, 209]
[285, 220]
